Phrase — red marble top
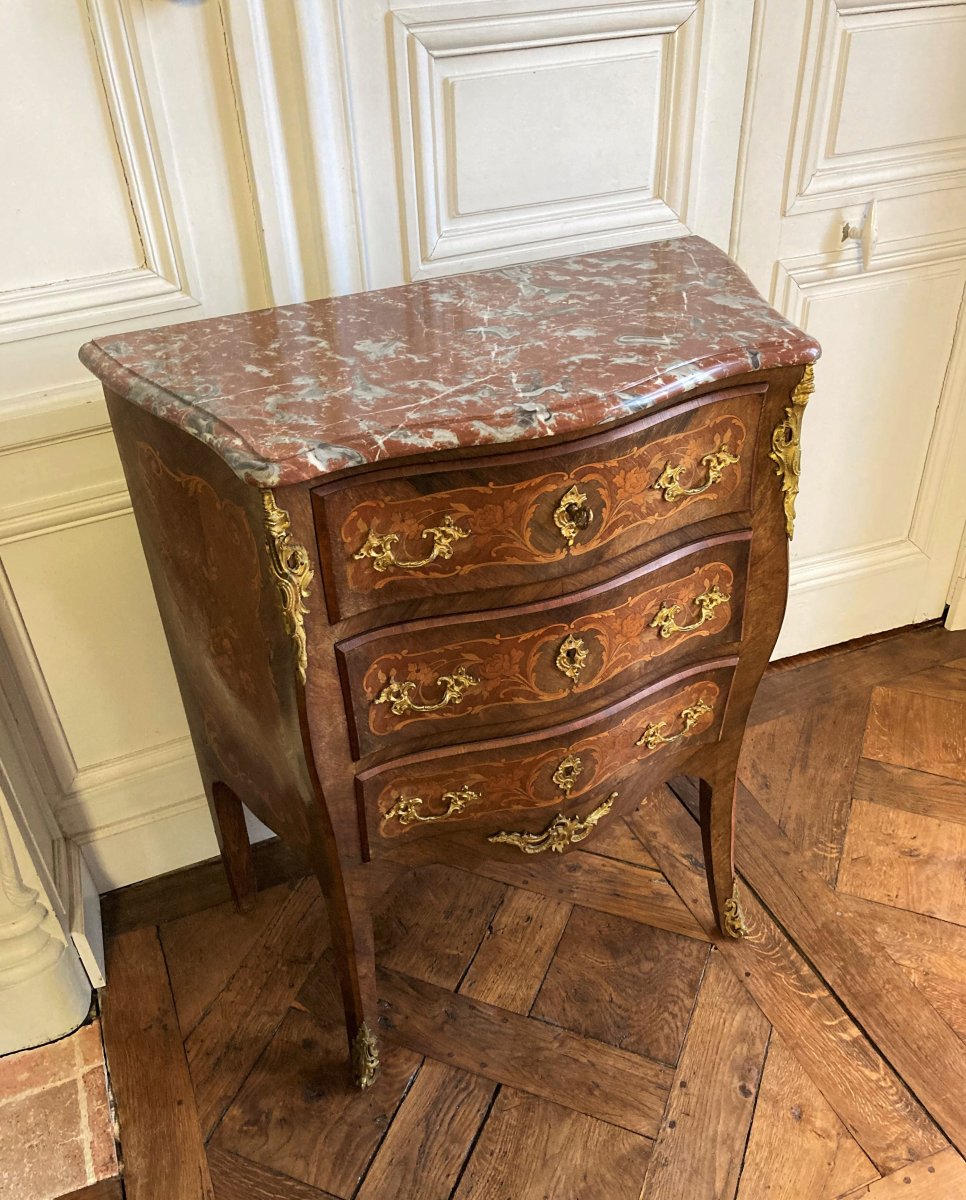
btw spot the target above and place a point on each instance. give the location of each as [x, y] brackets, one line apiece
[295, 393]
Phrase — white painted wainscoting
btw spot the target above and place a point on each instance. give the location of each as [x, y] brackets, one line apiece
[125, 202]
[227, 154]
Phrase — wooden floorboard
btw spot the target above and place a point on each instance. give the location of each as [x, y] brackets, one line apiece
[796, 688]
[104, 1189]
[906, 860]
[910, 790]
[591, 880]
[576, 1072]
[163, 1146]
[797, 1139]
[223, 1046]
[237, 1178]
[192, 889]
[701, 1142]
[861, 1087]
[516, 951]
[574, 1028]
[942, 1176]
[896, 1015]
[432, 1136]
[571, 1155]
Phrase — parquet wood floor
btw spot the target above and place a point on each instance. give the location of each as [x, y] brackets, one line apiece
[575, 1029]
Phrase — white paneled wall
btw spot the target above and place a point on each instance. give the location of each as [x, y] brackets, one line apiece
[164, 161]
[124, 202]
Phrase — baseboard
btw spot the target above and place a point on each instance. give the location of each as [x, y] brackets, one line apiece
[154, 843]
[835, 598]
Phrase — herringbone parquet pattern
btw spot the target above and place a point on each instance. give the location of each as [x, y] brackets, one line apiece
[574, 1029]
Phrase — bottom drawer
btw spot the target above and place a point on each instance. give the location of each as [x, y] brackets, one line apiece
[558, 768]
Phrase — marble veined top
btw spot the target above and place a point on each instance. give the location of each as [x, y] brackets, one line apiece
[523, 352]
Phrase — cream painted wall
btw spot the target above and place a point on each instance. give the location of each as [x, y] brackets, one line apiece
[220, 156]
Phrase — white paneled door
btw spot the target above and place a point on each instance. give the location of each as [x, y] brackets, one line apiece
[853, 220]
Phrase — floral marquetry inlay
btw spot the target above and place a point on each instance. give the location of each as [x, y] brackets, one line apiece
[543, 664]
[538, 771]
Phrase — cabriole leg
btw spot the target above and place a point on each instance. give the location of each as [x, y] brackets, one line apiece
[236, 850]
[350, 921]
[717, 804]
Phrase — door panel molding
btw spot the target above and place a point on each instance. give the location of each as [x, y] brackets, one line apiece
[444, 57]
[160, 284]
[821, 174]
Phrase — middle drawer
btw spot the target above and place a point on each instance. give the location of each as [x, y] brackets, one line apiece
[462, 678]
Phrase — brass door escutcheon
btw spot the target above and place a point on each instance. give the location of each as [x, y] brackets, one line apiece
[406, 810]
[571, 657]
[567, 772]
[654, 736]
[665, 622]
[562, 831]
[572, 514]
[669, 480]
[379, 546]
[399, 696]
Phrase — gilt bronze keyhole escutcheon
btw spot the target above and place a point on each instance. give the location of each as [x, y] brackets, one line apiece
[572, 514]
[571, 657]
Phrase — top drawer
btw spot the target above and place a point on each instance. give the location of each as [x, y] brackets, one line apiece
[533, 516]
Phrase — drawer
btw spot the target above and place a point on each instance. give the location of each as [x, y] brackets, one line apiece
[461, 678]
[505, 779]
[535, 516]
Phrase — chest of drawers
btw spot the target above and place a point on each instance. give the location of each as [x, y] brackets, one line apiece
[490, 554]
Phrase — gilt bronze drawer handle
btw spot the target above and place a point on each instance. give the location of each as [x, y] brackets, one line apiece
[666, 620]
[379, 546]
[572, 514]
[407, 809]
[571, 657]
[715, 463]
[567, 772]
[653, 736]
[560, 833]
[399, 696]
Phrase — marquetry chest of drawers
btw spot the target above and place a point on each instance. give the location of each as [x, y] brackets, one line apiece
[488, 555]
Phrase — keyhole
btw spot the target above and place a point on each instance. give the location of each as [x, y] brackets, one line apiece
[579, 514]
